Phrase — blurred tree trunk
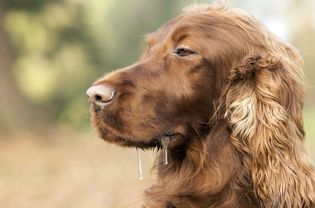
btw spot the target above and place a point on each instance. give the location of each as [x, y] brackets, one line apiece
[15, 110]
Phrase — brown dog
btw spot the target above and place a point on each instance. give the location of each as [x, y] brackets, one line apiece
[228, 94]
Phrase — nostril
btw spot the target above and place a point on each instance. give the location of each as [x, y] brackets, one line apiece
[100, 94]
[98, 98]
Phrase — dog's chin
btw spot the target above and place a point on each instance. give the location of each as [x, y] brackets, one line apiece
[147, 143]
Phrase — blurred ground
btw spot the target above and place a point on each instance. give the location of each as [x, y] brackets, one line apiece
[66, 169]
[69, 170]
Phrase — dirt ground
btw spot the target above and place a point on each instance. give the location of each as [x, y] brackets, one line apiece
[69, 170]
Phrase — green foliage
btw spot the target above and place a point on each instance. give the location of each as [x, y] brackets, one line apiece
[62, 46]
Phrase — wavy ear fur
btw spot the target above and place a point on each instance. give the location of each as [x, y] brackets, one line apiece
[264, 109]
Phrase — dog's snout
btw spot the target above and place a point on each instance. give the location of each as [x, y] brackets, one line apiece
[100, 94]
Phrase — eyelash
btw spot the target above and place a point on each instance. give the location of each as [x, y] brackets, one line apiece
[183, 52]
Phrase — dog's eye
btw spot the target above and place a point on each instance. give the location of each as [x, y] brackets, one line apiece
[183, 52]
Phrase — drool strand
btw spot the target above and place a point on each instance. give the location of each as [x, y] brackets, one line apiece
[140, 174]
[164, 142]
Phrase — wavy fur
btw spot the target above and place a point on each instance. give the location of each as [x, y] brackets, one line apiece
[264, 110]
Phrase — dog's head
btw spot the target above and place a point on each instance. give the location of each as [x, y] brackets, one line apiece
[210, 65]
[170, 91]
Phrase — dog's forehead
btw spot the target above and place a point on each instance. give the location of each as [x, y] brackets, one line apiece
[195, 18]
[176, 27]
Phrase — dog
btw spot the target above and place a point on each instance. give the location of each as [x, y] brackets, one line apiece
[225, 96]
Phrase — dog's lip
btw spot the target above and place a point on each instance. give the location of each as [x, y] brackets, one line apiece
[154, 141]
[159, 137]
[165, 134]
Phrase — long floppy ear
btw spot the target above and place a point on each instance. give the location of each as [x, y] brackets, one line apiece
[264, 109]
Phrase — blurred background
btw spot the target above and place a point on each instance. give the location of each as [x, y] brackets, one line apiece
[50, 53]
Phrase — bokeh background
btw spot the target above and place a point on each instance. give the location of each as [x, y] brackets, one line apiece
[51, 51]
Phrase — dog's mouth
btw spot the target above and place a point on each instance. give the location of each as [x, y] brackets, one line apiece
[109, 133]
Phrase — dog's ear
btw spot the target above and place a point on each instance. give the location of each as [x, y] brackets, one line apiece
[264, 109]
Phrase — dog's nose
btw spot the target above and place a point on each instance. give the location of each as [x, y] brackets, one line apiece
[100, 94]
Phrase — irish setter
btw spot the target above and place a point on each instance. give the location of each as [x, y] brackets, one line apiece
[228, 95]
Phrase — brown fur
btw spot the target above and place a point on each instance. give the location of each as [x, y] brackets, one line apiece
[235, 109]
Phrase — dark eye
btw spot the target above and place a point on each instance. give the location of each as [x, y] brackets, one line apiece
[183, 52]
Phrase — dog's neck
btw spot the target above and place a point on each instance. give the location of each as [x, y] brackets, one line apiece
[206, 170]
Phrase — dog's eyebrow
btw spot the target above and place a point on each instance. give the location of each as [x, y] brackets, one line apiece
[180, 33]
[180, 37]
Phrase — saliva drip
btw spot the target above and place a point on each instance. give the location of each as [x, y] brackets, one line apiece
[164, 142]
[140, 174]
